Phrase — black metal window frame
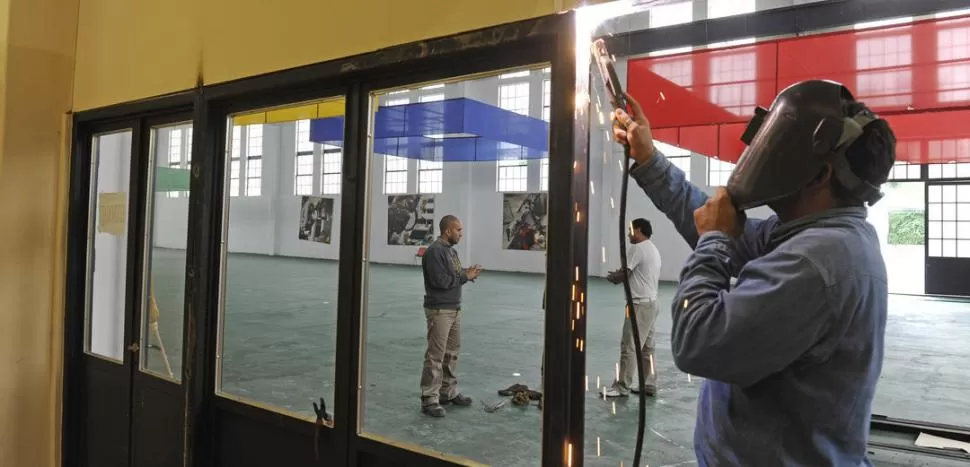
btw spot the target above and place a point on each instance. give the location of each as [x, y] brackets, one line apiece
[548, 40]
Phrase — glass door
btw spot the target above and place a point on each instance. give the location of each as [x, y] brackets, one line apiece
[131, 401]
[158, 399]
[108, 347]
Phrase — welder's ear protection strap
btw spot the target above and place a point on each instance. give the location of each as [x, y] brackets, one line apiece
[831, 140]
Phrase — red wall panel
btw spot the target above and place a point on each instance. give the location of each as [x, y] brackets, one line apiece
[729, 146]
[712, 86]
[700, 139]
[667, 135]
[908, 73]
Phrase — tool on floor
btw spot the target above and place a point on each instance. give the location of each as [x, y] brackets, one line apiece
[492, 407]
[611, 80]
[153, 323]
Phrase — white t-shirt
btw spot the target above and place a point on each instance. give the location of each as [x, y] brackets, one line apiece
[643, 259]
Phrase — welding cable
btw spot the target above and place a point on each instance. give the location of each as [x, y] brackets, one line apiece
[630, 312]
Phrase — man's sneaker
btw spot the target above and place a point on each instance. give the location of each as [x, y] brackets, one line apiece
[434, 410]
[650, 391]
[611, 391]
[459, 400]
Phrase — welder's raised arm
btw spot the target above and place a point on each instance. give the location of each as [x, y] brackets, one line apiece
[670, 191]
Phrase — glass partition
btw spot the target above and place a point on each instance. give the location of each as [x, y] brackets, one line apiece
[281, 251]
[108, 245]
[167, 218]
[698, 100]
[458, 180]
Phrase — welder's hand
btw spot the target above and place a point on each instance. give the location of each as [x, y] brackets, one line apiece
[634, 130]
[718, 214]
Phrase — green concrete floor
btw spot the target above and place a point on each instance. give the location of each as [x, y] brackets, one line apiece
[279, 341]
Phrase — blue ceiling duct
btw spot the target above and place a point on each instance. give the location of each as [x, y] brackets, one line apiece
[452, 130]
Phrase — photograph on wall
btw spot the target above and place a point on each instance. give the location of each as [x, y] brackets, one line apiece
[524, 220]
[316, 219]
[410, 220]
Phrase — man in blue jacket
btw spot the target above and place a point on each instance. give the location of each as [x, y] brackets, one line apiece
[792, 352]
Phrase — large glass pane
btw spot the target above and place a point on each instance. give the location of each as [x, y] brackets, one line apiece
[434, 362]
[698, 101]
[280, 275]
[108, 245]
[167, 233]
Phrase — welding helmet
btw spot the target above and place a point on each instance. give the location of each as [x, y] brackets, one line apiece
[807, 126]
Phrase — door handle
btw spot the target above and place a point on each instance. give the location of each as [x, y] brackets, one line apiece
[134, 347]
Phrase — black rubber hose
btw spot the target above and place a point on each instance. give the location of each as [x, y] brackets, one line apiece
[631, 313]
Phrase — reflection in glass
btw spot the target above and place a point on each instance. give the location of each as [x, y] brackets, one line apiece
[716, 89]
[107, 247]
[280, 272]
[167, 234]
[432, 374]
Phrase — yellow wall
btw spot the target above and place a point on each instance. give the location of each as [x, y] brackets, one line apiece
[35, 95]
[130, 50]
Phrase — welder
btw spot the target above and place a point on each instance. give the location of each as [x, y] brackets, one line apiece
[792, 351]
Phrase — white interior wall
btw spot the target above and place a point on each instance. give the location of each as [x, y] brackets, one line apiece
[268, 224]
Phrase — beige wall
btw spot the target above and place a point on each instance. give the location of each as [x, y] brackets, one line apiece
[129, 50]
[38, 39]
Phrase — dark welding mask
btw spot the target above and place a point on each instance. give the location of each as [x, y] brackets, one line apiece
[806, 127]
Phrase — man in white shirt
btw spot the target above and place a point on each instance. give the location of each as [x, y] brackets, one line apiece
[643, 268]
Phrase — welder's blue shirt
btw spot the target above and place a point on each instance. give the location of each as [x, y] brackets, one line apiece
[792, 352]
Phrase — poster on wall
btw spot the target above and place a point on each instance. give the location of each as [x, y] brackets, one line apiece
[410, 220]
[524, 220]
[111, 213]
[316, 219]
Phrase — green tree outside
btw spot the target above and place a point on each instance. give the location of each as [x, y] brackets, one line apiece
[906, 227]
